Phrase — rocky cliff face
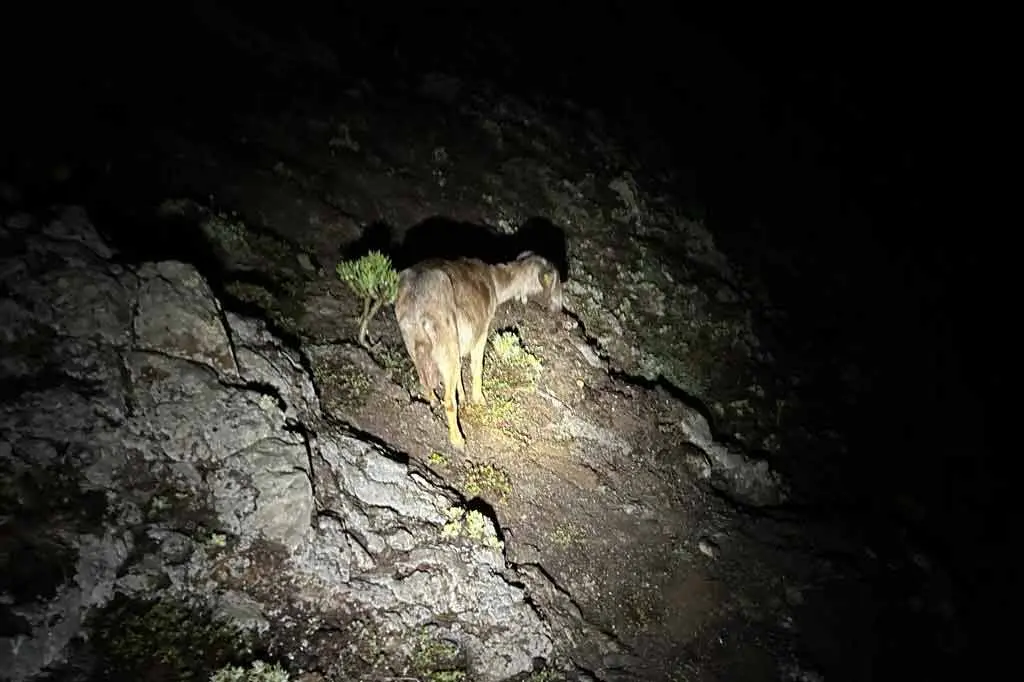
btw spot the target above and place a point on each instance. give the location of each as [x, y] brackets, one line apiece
[154, 443]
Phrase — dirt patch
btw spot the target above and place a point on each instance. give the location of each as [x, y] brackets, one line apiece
[578, 467]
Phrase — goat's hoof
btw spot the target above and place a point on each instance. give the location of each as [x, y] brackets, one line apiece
[478, 400]
[459, 443]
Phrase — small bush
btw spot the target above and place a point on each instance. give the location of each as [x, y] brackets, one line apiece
[507, 348]
[374, 280]
[371, 276]
[470, 524]
[257, 672]
[487, 479]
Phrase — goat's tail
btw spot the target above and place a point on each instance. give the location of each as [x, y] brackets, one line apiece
[422, 350]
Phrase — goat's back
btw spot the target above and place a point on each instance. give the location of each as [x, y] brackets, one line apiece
[424, 303]
[444, 300]
[475, 298]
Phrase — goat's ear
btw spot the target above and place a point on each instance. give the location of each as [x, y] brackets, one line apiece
[524, 254]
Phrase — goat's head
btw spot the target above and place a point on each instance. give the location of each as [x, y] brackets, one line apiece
[548, 282]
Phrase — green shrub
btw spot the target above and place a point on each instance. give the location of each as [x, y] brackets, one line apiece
[258, 672]
[507, 348]
[487, 479]
[374, 280]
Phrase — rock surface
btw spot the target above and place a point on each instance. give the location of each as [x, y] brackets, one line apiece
[190, 452]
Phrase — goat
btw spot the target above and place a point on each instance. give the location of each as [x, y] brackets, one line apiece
[444, 310]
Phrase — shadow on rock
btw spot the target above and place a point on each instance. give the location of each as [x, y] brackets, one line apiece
[440, 237]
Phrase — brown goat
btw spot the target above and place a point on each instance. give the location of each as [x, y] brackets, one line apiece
[444, 310]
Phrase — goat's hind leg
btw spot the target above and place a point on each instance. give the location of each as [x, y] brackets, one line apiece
[427, 390]
[460, 386]
[452, 378]
[428, 380]
[476, 366]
